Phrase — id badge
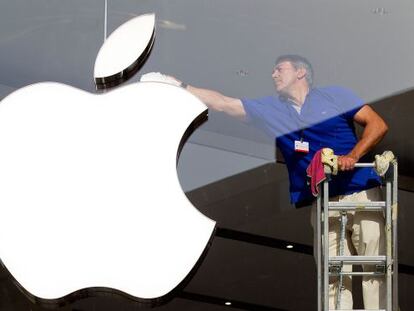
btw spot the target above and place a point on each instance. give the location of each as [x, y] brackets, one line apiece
[301, 146]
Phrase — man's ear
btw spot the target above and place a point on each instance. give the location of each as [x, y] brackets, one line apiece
[301, 73]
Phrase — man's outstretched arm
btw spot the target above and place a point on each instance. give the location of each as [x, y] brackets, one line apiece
[375, 129]
[219, 102]
[212, 99]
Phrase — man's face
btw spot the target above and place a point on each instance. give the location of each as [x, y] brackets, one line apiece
[285, 76]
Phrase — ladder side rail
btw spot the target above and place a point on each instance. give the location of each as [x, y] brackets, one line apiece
[395, 234]
[326, 242]
[388, 243]
[319, 248]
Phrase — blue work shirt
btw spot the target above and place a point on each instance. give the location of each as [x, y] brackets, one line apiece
[325, 120]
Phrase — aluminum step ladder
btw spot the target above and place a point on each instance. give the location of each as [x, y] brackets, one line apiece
[386, 266]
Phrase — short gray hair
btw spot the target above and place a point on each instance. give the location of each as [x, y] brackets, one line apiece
[297, 62]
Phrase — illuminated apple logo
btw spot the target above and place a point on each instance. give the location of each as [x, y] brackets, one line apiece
[89, 194]
[124, 51]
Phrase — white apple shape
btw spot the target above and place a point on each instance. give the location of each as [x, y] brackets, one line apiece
[89, 195]
[124, 51]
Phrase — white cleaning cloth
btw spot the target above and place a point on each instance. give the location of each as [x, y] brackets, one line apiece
[382, 162]
[159, 77]
[330, 161]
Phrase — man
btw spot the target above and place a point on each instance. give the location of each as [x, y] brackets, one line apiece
[303, 120]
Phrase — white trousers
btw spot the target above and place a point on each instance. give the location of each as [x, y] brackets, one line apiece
[364, 236]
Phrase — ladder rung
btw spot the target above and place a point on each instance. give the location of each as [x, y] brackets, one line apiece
[351, 206]
[357, 273]
[358, 259]
[371, 164]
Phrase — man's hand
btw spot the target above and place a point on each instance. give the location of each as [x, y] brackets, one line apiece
[346, 162]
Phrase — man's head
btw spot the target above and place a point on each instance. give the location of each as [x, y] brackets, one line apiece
[291, 71]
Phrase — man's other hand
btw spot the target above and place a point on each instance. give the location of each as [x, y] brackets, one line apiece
[346, 162]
